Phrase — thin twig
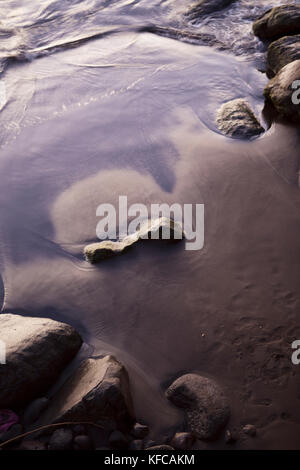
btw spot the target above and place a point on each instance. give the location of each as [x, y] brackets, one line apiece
[47, 426]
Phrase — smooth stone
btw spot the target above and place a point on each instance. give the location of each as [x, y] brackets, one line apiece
[158, 229]
[98, 389]
[279, 91]
[118, 440]
[204, 402]
[278, 22]
[282, 52]
[137, 444]
[236, 119]
[37, 351]
[32, 445]
[183, 440]
[61, 439]
[139, 431]
[82, 442]
[96, 252]
[250, 430]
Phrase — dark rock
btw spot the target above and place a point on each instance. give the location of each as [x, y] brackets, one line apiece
[277, 22]
[32, 445]
[137, 444]
[97, 390]
[282, 92]
[236, 119]
[140, 431]
[61, 439]
[204, 402]
[282, 52]
[250, 430]
[117, 440]
[14, 431]
[82, 442]
[34, 409]
[183, 441]
[160, 447]
[206, 7]
[37, 350]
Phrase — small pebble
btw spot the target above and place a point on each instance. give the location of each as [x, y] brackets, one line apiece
[117, 440]
[140, 431]
[61, 439]
[137, 444]
[82, 442]
[160, 447]
[183, 440]
[229, 437]
[250, 430]
[32, 445]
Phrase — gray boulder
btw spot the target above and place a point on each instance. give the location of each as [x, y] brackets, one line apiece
[206, 7]
[277, 22]
[206, 407]
[37, 351]
[236, 119]
[282, 92]
[282, 52]
[97, 390]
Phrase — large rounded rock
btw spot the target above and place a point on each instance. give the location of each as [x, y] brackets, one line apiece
[97, 390]
[37, 350]
[206, 407]
[282, 52]
[206, 7]
[236, 119]
[282, 91]
[277, 22]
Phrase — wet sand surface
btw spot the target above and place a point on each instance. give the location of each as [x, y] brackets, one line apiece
[81, 138]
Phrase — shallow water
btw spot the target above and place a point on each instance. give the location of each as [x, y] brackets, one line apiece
[133, 114]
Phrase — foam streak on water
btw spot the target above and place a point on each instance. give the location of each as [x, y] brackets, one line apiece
[27, 26]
